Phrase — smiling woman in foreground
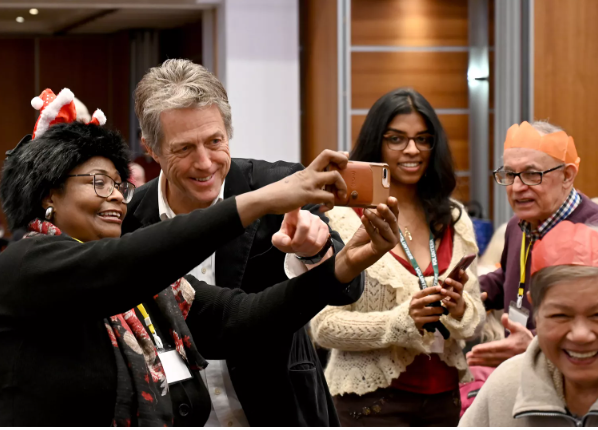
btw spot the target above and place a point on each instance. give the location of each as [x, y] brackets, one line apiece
[555, 382]
[86, 337]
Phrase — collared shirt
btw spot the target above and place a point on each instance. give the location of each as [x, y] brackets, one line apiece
[226, 408]
[569, 205]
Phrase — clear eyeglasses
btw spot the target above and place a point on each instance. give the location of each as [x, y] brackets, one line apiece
[104, 186]
[505, 177]
[398, 142]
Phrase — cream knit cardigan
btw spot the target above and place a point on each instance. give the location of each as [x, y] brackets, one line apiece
[374, 339]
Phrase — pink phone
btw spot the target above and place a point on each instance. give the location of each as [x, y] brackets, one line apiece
[463, 264]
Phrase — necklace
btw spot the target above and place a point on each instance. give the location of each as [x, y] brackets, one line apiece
[407, 233]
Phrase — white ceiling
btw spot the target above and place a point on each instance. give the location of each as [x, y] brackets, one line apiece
[83, 17]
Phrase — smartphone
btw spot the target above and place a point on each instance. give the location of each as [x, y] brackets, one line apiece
[368, 184]
[463, 264]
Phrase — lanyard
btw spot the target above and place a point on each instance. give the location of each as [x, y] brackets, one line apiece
[522, 268]
[148, 323]
[420, 274]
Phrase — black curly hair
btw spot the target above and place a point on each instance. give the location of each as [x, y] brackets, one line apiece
[37, 166]
[436, 186]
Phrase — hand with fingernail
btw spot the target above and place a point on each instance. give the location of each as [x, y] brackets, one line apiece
[452, 292]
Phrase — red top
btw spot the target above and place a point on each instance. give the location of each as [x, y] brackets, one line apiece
[429, 374]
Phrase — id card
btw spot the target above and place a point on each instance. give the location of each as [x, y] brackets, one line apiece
[437, 346]
[174, 367]
[518, 315]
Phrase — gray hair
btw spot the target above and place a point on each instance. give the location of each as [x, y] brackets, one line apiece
[177, 84]
[546, 278]
[544, 127]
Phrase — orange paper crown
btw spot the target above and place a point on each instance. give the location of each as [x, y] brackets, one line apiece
[557, 145]
[566, 244]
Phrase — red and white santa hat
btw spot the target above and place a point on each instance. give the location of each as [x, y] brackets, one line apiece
[56, 109]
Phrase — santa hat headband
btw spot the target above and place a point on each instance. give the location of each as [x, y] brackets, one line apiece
[57, 109]
[566, 244]
[557, 145]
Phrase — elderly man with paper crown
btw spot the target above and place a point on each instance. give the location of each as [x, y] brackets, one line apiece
[555, 382]
[540, 166]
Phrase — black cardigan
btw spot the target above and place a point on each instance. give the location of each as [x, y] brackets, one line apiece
[56, 361]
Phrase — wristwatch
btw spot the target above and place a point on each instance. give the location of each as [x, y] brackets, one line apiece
[318, 257]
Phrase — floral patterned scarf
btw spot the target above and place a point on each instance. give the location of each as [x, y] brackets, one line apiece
[142, 397]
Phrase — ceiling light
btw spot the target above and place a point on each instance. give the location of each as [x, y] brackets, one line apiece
[33, 11]
[20, 19]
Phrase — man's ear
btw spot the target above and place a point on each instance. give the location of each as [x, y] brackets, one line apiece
[149, 150]
[570, 171]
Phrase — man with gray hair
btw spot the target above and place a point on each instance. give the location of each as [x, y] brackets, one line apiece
[186, 125]
[540, 166]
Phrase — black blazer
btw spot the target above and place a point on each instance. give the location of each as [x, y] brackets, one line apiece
[279, 379]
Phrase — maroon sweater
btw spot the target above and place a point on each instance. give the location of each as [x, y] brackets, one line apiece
[502, 284]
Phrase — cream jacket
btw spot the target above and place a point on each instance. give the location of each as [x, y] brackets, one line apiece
[374, 339]
[525, 391]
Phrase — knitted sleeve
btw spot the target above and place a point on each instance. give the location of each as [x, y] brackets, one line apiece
[364, 326]
[348, 330]
[475, 313]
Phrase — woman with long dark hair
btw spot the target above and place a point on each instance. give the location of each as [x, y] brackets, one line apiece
[395, 360]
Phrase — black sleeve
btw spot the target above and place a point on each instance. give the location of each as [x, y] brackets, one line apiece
[355, 289]
[224, 320]
[54, 274]
[266, 173]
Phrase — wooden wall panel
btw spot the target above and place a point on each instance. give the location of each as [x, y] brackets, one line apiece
[319, 78]
[120, 95]
[461, 192]
[95, 68]
[409, 22]
[81, 64]
[440, 76]
[17, 117]
[457, 131]
[565, 84]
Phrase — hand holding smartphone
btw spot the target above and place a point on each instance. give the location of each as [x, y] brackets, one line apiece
[368, 184]
[463, 264]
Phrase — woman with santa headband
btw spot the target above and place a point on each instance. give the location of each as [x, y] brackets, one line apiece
[555, 382]
[86, 338]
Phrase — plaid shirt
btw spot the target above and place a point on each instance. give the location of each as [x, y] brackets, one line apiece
[570, 204]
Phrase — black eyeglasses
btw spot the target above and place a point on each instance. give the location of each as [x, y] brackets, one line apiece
[504, 177]
[104, 185]
[398, 142]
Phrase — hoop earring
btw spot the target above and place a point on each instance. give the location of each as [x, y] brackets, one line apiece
[49, 213]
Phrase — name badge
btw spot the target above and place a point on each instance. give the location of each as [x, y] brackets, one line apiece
[174, 367]
[437, 346]
[518, 315]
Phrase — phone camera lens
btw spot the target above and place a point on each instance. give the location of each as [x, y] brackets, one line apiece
[385, 173]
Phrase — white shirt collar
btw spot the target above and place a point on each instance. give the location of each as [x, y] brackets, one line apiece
[164, 208]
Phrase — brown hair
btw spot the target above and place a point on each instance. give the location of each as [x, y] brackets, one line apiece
[177, 84]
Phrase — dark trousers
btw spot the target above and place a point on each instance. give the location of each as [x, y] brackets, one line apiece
[389, 407]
